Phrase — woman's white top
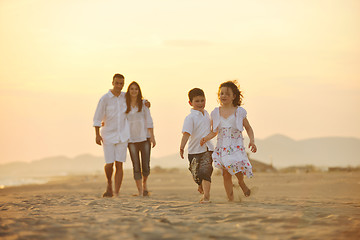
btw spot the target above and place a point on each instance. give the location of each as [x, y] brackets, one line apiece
[240, 114]
[139, 123]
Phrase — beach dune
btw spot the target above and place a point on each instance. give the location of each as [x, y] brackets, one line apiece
[283, 206]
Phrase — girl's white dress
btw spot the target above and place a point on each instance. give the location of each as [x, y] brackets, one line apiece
[230, 154]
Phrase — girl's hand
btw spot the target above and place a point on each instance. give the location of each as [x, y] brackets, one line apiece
[202, 141]
[252, 147]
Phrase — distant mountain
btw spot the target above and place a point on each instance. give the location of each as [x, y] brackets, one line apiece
[278, 151]
[281, 151]
[54, 166]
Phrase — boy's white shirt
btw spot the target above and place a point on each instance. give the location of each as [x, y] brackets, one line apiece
[198, 126]
[111, 111]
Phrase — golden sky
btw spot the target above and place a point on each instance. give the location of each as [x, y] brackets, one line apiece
[297, 63]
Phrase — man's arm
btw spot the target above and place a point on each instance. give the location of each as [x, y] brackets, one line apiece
[98, 138]
[98, 118]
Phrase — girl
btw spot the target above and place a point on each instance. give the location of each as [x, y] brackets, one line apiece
[228, 121]
[141, 136]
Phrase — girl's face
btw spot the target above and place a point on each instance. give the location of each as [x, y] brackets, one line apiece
[133, 90]
[226, 96]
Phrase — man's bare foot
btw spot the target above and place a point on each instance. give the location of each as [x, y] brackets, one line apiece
[109, 191]
[200, 189]
[107, 194]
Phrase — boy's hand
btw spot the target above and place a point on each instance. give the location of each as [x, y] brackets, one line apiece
[182, 153]
[252, 147]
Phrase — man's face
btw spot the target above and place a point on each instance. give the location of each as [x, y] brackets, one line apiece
[198, 103]
[118, 84]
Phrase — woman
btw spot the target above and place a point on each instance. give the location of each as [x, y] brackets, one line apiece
[141, 136]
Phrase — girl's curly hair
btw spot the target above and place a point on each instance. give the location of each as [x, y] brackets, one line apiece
[235, 88]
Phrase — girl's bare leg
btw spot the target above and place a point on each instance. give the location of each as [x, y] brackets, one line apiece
[228, 185]
[242, 184]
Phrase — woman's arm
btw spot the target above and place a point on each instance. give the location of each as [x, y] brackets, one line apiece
[152, 136]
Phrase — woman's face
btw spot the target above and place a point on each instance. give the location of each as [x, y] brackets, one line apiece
[133, 90]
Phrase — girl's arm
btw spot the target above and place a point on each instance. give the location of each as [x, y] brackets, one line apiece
[210, 136]
[250, 133]
[184, 140]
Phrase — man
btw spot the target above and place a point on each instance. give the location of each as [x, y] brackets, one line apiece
[115, 132]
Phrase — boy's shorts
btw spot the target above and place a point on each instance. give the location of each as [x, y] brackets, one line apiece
[200, 166]
[115, 152]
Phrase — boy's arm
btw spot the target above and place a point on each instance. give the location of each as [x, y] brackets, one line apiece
[184, 140]
[250, 134]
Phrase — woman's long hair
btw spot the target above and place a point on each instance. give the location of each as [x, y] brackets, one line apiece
[139, 98]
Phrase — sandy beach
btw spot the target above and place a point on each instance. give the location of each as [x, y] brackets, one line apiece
[283, 206]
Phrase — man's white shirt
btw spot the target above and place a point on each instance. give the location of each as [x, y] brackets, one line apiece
[111, 111]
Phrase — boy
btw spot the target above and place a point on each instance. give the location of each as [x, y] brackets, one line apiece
[196, 126]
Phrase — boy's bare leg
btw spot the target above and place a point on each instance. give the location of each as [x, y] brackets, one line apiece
[108, 172]
[228, 185]
[200, 189]
[206, 186]
[242, 184]
[118, 176]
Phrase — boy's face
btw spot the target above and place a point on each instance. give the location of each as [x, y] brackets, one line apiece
[198, 103]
